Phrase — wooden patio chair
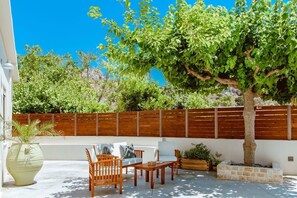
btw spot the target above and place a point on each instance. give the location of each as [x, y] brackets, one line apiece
[107, 171]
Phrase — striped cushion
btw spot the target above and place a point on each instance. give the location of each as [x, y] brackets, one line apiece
[127, 151]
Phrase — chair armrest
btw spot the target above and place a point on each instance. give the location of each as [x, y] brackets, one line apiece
[139, 153]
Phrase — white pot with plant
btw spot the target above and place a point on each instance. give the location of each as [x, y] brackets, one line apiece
[25, 158]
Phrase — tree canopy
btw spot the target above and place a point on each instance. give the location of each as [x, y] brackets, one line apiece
[52, 84]
[199, 46]
[252, 48]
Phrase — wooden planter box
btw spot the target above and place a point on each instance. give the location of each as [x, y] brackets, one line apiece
[194, 164]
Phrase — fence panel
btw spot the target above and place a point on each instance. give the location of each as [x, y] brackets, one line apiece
[230, 123]
[201, 123]
[294, 122]
[127, 124]
[107, 124]
[65, 123]
[173, 123]
[21, 118]
[86, 124]
[149, 123]
[271, 123]
[42, 117]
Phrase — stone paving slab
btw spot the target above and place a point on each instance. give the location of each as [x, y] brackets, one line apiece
[59, 179]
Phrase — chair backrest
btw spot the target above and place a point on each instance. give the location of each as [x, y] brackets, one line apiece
[91, 154]
[106, 162]
[166, 148]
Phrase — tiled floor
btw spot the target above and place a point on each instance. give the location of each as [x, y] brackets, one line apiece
[69, 179]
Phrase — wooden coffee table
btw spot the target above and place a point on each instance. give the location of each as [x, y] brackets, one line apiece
[149, 170]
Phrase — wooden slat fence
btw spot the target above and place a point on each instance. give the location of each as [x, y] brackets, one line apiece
[272, 123]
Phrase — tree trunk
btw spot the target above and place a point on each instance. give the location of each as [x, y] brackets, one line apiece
[249, 145]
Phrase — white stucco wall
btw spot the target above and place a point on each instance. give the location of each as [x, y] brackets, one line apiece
[7, 53]
[268, 151]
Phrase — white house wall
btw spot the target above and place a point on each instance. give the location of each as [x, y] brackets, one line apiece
[268, 151]
[5, 94]
[7, 53]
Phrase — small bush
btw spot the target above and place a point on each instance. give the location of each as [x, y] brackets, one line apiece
[200, 151]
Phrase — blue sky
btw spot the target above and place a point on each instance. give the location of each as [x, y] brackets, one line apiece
[64, 27]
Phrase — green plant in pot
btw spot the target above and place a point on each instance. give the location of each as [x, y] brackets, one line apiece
[25, 157]
[215, 160]
[199, 151]
[197, 158]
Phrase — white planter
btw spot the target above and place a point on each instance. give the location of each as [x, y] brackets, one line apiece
[23, 162]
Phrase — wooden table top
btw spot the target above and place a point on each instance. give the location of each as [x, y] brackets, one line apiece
[158, 165]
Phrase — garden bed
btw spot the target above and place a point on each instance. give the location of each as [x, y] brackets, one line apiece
[225, 170]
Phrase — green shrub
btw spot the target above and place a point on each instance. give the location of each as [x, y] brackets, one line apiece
[200, 151]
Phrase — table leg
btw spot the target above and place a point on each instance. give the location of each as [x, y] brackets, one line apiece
[152, 179]
[147, 176]
[135, 177]
[163, 175]
[172, 172]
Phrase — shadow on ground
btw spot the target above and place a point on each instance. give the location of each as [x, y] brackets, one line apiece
[186, 184]
[69, 179]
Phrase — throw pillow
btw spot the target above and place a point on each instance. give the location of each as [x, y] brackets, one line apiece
[105, 148]
[127, 151]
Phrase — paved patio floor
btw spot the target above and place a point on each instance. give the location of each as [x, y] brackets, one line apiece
[69, 179]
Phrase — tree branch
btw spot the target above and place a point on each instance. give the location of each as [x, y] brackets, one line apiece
[248, 53]
[272, 72]
[256, 70]
[269, 74]
[225, 81]
[190, 71]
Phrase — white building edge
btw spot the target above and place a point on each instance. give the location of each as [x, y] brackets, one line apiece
[8, 74]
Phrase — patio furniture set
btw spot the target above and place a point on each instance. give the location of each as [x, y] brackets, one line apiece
[107, 161]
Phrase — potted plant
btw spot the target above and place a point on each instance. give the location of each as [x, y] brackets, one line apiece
[215, 160]
[25, 157]
[197, 158]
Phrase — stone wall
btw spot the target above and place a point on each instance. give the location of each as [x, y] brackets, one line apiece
[247, 173]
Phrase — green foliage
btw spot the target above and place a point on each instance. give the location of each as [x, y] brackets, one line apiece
[222, 100]
[52, 84]
[137, 94]
[200, 151]
[197, 47]
[196, 101]
[216, 158]
[26, 133]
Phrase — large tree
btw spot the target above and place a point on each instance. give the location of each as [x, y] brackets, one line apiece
[252, 48]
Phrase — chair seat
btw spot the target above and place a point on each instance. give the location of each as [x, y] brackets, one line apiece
[164, 158]
[130, 161]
